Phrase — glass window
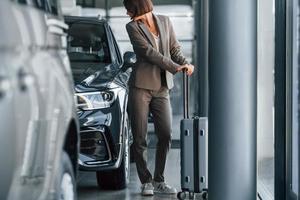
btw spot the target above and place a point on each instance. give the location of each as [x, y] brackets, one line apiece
[21, 1]
[295, 130]
[88, 52]
[88, 43]
[265, 99]
[116, 47]
[45, 5]
[52, 7]
[40, 4]
[86, 3]
[295, 101]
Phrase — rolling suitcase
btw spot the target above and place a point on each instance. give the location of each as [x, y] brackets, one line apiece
[194, 152]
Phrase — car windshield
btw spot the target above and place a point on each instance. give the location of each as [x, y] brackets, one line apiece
[87, 42]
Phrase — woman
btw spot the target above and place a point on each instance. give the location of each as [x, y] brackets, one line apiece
[158, 58]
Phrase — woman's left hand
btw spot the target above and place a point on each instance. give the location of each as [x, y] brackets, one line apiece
[187, 67]
[190, 69]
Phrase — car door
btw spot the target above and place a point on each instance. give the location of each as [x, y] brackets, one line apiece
[20, 120]
[54, 91]
[34, 68]
[19, 96]
[7, 133]
[52, 69]
[26, 92]
[7, 113]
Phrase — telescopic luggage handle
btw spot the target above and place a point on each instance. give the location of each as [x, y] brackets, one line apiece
[185, 95]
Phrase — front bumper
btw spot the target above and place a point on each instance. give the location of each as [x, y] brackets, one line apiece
[97, 150]
[101, 132]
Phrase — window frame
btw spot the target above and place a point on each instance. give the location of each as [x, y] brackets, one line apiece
[116, 47]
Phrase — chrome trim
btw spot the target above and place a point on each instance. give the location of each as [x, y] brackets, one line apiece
[87, 93]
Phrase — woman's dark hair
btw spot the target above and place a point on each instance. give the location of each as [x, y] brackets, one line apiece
[138, 7]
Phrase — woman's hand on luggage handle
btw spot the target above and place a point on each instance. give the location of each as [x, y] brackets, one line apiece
[188, 67]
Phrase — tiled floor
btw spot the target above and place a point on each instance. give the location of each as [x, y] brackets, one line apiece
[265, 178]
[87, 183]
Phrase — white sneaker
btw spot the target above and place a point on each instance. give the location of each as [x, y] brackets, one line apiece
[147, 189]
[163, 188]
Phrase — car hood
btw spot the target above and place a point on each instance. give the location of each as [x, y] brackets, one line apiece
[94, 78]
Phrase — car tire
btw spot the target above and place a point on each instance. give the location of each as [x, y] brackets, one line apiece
[67, 184]
[132, 160]
[119, 178]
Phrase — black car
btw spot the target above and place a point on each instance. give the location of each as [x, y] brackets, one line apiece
[101, 75]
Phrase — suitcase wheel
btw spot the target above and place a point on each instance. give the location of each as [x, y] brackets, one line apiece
[191, 195]
[181, 195]
[205, 195]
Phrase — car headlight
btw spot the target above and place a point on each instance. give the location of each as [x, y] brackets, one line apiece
[95, 100]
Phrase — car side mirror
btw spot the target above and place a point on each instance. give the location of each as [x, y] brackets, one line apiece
[129, 60]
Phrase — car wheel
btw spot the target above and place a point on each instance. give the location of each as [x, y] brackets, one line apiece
[67, 186]
[132, 160]
[119, 178]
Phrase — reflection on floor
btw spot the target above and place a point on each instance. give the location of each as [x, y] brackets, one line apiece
[266, 178]
[87, 183]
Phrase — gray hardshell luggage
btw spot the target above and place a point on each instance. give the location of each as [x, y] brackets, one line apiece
[194, 152]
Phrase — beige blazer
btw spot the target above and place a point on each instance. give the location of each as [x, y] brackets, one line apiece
[150, 63]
